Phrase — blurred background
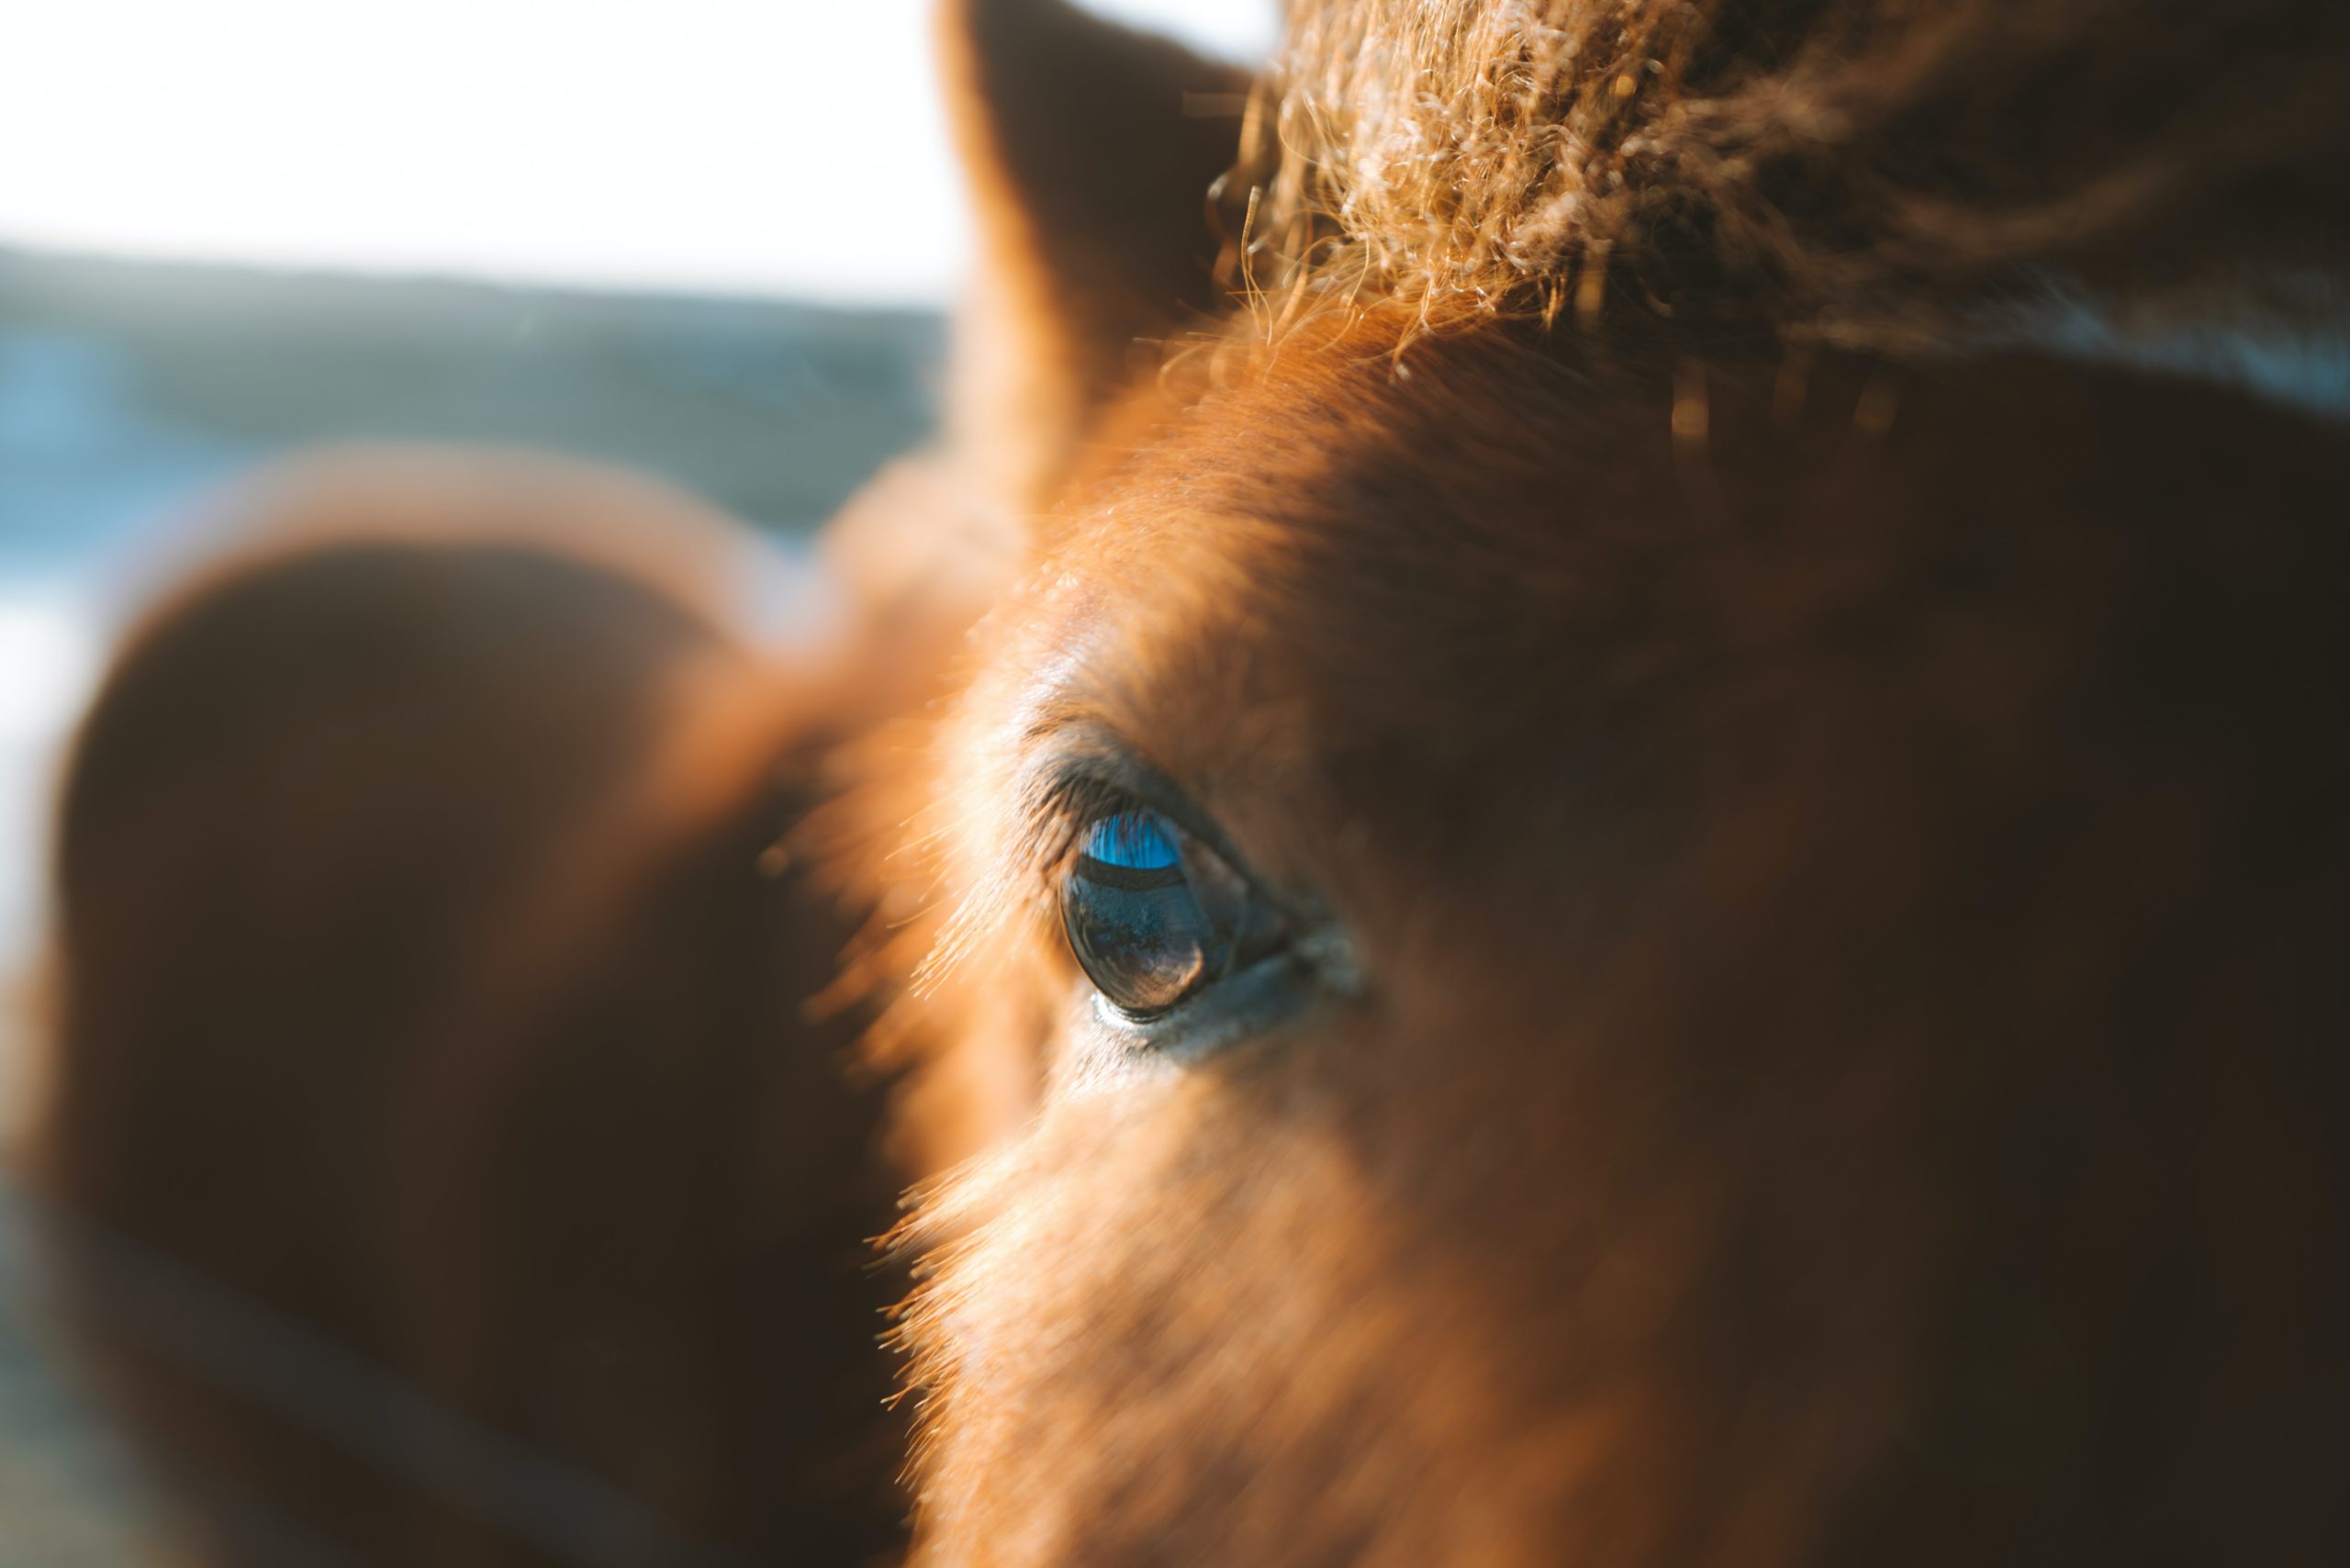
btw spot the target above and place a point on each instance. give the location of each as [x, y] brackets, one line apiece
[715, 239]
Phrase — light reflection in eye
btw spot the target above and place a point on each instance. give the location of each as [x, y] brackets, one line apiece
[1132, 839]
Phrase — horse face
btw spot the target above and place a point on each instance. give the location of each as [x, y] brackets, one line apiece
[1700, 923]
[1623, 951]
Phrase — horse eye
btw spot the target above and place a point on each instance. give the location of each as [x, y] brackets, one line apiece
[1155, 916]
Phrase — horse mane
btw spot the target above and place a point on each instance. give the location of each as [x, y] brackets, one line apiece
[1809, 166]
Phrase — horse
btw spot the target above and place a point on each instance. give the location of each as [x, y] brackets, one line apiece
[1586, 818]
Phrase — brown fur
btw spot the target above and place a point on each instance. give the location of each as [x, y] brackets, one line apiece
[428, 1012]
[1835, 1075]
[1817, 1098]
[1830, 824]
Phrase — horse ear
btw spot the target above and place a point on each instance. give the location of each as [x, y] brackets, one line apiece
[1091, 151]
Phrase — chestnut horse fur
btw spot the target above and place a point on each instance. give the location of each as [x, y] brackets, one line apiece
[1806, 769]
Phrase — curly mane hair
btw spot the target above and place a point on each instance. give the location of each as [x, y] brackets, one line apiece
[1817, 166]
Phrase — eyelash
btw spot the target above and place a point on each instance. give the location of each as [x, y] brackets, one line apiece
[1065, 810]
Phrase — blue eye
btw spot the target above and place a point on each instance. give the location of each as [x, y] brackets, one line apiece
[1153, 915]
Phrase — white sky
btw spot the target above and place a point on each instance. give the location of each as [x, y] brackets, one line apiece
[767, 146]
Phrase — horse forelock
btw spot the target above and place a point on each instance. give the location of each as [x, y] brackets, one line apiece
[1846, 167]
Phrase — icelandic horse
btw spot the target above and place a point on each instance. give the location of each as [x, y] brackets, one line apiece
[1587, 817]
